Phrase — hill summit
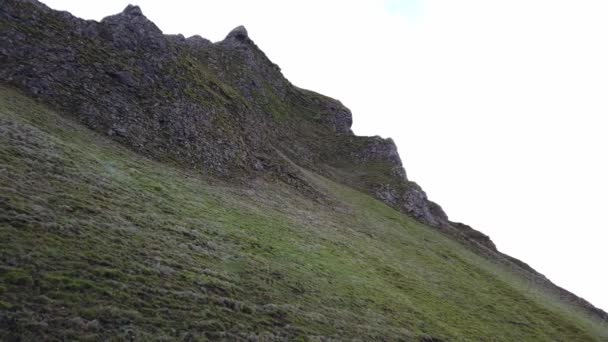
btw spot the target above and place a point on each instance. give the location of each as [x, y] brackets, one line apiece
[223, 113]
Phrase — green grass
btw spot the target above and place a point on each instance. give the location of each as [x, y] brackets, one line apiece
[97, 242]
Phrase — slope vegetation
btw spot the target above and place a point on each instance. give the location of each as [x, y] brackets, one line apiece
[162, 187]
[97, 241]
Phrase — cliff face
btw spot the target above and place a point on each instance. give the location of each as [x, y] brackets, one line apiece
[222, 108]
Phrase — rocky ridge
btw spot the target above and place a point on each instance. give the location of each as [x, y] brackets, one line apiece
[222, 108]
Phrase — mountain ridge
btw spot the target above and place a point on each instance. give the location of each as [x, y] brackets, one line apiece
[232, 76]
[223, 109]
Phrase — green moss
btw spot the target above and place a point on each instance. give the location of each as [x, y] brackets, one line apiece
[201, 84]
[274, 105]
[5, 306]
[17, 277]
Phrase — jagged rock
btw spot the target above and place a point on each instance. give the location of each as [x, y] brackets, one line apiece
[131, 10]
[239, 33]
[474, 235]
[340, 119]
[198, 42]
[413, 200]
[417, 205]
[131, 29]
[378, 148]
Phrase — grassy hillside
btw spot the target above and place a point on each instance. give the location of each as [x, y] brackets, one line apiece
[98, 242]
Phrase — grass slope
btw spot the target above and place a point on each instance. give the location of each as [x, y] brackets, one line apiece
[97, 242]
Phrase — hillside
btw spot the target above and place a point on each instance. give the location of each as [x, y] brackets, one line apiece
[158, 187]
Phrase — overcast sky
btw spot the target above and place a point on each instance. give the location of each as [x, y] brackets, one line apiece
[499, 108]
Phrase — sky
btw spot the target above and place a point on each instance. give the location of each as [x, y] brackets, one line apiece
[499, 108]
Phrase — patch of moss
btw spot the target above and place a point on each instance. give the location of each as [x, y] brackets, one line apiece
[17, 278]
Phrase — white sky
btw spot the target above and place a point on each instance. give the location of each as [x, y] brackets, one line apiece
[498, 107]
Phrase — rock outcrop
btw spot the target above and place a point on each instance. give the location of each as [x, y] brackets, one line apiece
[222, 108]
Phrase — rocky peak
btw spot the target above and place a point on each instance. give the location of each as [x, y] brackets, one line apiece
[197, 41]
[131, 28]
[131, 14]
[239, 33]
[132, 10]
